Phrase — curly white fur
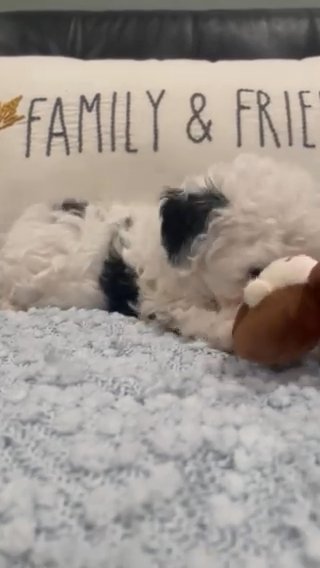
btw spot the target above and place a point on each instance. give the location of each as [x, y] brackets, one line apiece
[51, 257]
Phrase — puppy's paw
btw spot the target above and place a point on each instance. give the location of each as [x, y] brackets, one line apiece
[223, 338]
[120, 238]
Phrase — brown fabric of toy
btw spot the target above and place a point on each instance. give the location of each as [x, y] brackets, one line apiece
[283, 327]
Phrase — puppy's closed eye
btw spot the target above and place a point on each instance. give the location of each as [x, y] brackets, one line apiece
[72, 206]
[254, 272]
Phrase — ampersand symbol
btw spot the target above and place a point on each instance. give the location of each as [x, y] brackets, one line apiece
[198, 102]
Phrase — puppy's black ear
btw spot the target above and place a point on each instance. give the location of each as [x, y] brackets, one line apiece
[184, 217]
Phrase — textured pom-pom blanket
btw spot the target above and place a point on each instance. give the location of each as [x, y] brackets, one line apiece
[125, 448]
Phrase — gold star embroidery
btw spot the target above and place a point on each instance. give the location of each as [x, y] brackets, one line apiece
[9, 113]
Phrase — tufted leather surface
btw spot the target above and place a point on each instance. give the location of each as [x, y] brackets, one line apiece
[211, 35]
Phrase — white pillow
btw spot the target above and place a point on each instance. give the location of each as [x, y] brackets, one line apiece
[124, 129]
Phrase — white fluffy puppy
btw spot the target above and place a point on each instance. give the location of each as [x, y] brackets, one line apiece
[183, 263]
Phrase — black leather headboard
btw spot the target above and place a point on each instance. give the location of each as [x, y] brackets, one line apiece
[212, 35]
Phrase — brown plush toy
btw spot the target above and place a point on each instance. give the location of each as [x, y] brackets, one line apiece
[279, 321]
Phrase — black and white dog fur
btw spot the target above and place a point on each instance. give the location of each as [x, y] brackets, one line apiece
[183, 262]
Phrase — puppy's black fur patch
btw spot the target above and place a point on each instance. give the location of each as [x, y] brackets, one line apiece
[184, 216]
[118, 281]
